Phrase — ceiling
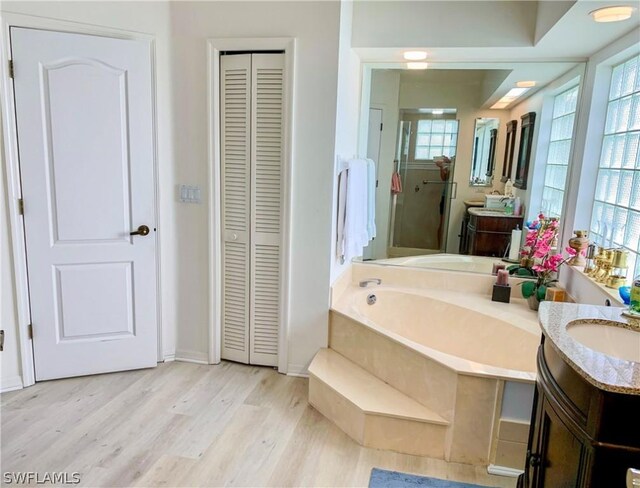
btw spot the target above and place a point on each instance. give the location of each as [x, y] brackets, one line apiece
[561, 35]
[556, 36]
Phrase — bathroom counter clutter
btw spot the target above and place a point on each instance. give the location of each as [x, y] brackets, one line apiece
[600, 343]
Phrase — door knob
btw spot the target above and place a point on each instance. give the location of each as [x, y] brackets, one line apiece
[143, 230]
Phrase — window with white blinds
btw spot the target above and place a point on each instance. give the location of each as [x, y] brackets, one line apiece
[615, 220]
[436, 138]
[555, 176]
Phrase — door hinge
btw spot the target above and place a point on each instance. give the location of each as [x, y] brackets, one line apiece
[20, 206]
[30, 330]
[381, 124]
[1, 340]
[11, 69]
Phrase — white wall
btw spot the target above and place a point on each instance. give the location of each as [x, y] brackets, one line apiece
[347, 117]
[385, 91]
[315, 25]
[443, 23]
[592, 107]
[542, 104]
[181, 30]
[10, 370]
[582, 173]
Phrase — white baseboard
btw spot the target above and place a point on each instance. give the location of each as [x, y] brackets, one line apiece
[169, 358]
[297, 370]
[192, 357]
[504, 471]
[11, 383]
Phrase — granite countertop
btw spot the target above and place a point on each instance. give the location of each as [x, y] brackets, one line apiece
[601, 370]
[474, 203]
[485, 212]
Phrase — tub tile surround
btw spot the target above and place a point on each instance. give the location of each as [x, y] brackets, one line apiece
[465, 295]
[603, 371]
[465, 393]
[430, 383]
[510, 443]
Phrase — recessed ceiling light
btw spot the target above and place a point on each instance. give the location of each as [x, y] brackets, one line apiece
[612, 14]
[417, 65]
[437, 111]
[526, 84]
[511, 96]
[415, 55]
[515, 92]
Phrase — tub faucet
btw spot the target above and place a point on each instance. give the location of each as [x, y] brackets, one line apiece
[364, 283]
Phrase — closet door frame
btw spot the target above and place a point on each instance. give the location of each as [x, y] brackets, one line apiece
[214, 49]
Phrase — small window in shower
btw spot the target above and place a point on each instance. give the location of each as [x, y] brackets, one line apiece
[436, 137]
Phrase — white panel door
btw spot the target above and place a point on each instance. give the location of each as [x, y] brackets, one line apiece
[267, 204]
[85, 133]
[235, 137]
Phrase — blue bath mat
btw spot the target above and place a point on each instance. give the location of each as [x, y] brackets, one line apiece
[381, 478]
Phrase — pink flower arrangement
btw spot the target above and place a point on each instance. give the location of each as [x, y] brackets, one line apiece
[540, 256]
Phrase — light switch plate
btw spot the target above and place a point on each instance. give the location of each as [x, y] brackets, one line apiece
[189, 194]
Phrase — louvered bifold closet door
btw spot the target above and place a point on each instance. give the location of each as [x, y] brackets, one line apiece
[235, 137]
[267, 206]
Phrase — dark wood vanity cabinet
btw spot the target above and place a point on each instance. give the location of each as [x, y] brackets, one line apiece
[580, 436]
[489, 235]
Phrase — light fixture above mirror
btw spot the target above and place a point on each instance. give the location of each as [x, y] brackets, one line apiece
[511, 96]
[415, 55]
[417, 65]
[612, 14]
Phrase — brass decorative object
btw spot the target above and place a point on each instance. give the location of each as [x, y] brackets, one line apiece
[606, 266]
[597, 262]
[578, 243]
[590, 259]
[618, 276]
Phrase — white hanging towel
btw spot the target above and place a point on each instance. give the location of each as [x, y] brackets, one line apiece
[371, 198]
[356, 235]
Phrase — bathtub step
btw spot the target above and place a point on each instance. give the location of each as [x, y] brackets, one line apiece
[372, 412]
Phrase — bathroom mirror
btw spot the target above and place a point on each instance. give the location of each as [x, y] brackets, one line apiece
[420, 127]
[485, 137]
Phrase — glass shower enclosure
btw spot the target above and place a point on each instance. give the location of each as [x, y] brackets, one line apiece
[420, 213]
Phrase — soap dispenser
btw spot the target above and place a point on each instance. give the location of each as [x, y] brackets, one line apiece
[634, 304]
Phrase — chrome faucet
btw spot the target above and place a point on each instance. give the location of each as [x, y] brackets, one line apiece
[364, 283]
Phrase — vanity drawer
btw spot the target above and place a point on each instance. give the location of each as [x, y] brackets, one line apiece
[495, 224]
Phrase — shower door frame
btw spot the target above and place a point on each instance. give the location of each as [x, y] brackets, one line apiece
[450, 189]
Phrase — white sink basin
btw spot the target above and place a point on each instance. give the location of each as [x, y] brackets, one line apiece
[491, 212]
[608, 339]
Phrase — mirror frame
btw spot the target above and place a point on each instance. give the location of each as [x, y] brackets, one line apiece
[491, 163]
[524, 150]
[509, 148]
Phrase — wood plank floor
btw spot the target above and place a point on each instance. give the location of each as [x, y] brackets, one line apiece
[184, 424]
